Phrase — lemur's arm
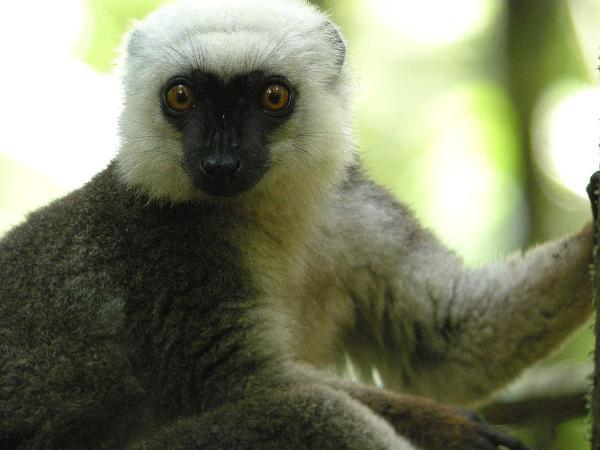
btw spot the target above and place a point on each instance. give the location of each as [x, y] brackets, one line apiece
[429, 325]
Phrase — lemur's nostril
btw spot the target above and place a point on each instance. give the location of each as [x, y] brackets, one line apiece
[220, 168]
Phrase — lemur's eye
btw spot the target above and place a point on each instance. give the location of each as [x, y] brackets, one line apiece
[275, 98]
[179, 98]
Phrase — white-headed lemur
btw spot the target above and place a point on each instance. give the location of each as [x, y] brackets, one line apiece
[199, 291]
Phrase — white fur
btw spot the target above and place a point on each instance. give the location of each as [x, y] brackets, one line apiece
[227, 38]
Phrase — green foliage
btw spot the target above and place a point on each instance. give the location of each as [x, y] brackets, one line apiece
[106, 22]
[22, 190]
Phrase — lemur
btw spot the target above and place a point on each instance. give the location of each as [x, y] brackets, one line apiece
[203, 290]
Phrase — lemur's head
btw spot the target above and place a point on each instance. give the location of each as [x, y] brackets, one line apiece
[224, 98]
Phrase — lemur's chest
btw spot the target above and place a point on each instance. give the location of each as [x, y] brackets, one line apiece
[187, 301]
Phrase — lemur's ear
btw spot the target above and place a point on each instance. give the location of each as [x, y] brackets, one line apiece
[134, 42]
[334, 36]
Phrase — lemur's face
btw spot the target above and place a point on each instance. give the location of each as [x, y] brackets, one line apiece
[231, 97]
[225, 126]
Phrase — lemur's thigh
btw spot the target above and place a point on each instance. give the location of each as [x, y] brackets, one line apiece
[64, 393]
[303, 417]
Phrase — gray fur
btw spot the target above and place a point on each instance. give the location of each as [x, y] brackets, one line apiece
[140, 313]
[408, 308]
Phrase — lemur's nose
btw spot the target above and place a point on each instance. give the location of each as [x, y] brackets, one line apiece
[219, 167]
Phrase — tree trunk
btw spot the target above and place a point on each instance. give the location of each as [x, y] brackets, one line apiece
[595, 404]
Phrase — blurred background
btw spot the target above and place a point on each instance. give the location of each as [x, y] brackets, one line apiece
[481, 114]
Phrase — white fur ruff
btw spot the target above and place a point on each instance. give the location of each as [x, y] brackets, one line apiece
[227, 38]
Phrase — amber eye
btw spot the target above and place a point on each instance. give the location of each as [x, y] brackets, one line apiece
[180, 98]
[275, 98]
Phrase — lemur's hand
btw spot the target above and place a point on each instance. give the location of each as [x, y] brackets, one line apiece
[492, 434]
[592, 191]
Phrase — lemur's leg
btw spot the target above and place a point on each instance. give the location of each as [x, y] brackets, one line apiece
[307, 416]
